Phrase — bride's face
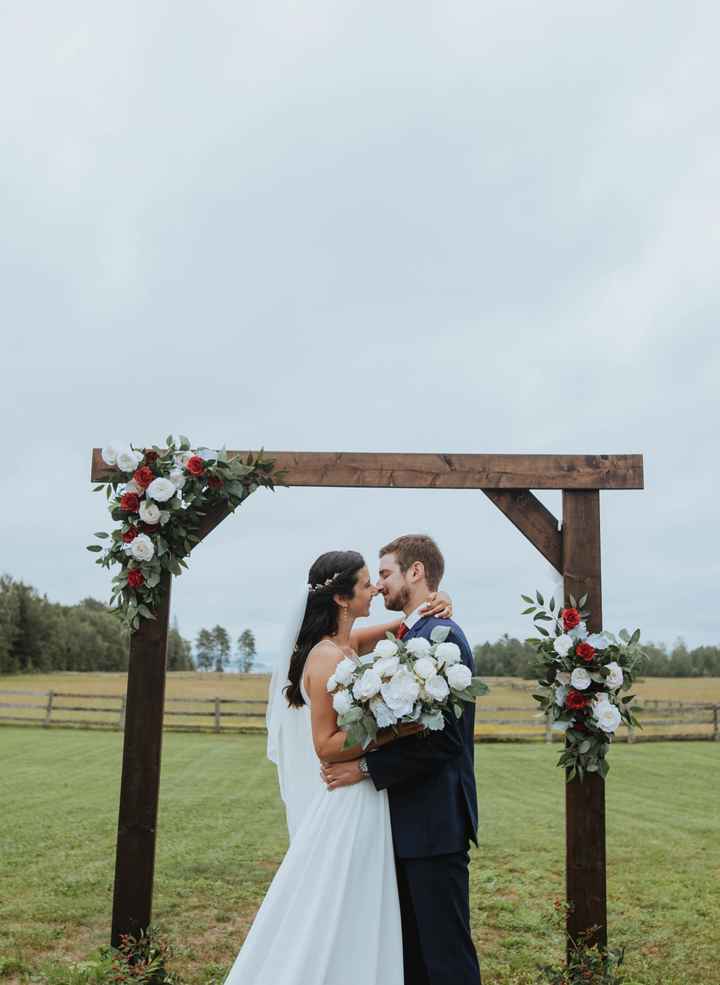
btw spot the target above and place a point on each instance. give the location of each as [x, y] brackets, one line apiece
[364, 593]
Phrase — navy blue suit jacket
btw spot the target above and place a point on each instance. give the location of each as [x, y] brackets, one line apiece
[430, 778]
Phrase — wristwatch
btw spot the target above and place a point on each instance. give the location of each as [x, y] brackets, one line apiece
[363, 767]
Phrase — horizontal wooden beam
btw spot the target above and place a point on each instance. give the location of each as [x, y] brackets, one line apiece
[533, 519]
[443, 471]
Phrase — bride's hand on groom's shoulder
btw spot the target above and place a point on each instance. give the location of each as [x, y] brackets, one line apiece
[439, 604]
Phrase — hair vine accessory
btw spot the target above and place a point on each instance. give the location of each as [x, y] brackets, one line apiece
[323, 584]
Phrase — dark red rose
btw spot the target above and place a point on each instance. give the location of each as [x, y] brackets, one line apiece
[130, 535]
[130, 502]
[195, 465]
[135, 578]
[215, 482]
[149, 528]
[585, 651]
[571, 618]
[576, 700]
[144, 476]
[151, 456]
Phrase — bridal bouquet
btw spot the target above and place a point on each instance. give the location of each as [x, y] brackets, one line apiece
[400, 683]
[581, 677]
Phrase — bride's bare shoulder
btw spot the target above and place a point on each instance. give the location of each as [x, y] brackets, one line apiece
[324, 654]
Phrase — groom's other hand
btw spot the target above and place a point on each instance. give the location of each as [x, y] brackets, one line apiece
[342, 774]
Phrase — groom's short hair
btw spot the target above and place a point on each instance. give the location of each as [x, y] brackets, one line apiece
[418, 547]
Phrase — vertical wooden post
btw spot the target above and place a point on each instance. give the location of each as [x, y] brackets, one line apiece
[48, 709]
[140, 784]
[584, 802]
[217, 714]
[716, 723]
[121, 720]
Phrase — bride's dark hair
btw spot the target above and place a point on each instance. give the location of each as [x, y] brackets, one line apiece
[334, 573]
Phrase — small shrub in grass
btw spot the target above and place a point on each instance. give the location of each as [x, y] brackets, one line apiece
[587, 964]
[138, 961]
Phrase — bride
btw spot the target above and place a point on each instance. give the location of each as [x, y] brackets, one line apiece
[331, 915]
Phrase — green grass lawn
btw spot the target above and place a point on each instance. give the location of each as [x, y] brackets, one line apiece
[222, 834]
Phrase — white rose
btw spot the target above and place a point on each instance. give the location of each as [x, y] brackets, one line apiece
[366, 658]
[418, 645]
[386, 648]
[128, 460]
[447, 654]
[342, 702]
[386, 666]
[459, 677]
[561, 694]
[368, 685]
[344, 671]
[142, 548]
[579, 632]
[580, 679]
[109, 452]
[149, 512]
[607, 716]
[161, 490]
[601, 698]
[401, 692]
[331, 683]
[425, 667]
[437, 687]
[562, 645]
[615, 677]
[562, 677]
[177, 477]
[384, 716]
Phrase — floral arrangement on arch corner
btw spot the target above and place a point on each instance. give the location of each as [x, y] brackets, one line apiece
[581, 678]
[160, 503]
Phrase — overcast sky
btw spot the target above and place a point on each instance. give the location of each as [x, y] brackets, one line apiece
[418, 226]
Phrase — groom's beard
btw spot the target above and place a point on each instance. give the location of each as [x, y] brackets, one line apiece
[397, 602]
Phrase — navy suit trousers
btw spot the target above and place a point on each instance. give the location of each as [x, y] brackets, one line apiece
[435, 913]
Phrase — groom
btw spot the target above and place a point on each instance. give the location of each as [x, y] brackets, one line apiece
[430, 779]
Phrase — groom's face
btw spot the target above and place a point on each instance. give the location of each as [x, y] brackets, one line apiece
[392, 583]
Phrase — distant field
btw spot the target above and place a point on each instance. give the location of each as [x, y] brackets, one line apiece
[510, 695]
[221, 836]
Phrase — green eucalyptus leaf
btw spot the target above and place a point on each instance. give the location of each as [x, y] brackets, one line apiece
[94, 548]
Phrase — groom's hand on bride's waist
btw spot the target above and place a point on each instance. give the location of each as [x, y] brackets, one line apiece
[342, 774]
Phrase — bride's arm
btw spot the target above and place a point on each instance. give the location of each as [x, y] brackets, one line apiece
[328, 739]
[364, 640]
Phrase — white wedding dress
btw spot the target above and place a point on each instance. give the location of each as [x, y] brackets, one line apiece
[331, 915]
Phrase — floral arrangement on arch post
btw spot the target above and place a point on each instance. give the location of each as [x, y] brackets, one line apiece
[159, 504]
[581, 676]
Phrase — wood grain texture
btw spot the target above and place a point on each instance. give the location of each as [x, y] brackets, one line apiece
[442, 471]
[585, 865]
[533, 519]
[140, 783]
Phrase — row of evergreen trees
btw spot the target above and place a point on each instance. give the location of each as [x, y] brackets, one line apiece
[38, 635]
[509, 657]
[213, 650]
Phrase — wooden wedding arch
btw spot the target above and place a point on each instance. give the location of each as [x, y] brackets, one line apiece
[572, 547]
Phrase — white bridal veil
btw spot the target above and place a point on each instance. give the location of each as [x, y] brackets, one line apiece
[289, 735]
